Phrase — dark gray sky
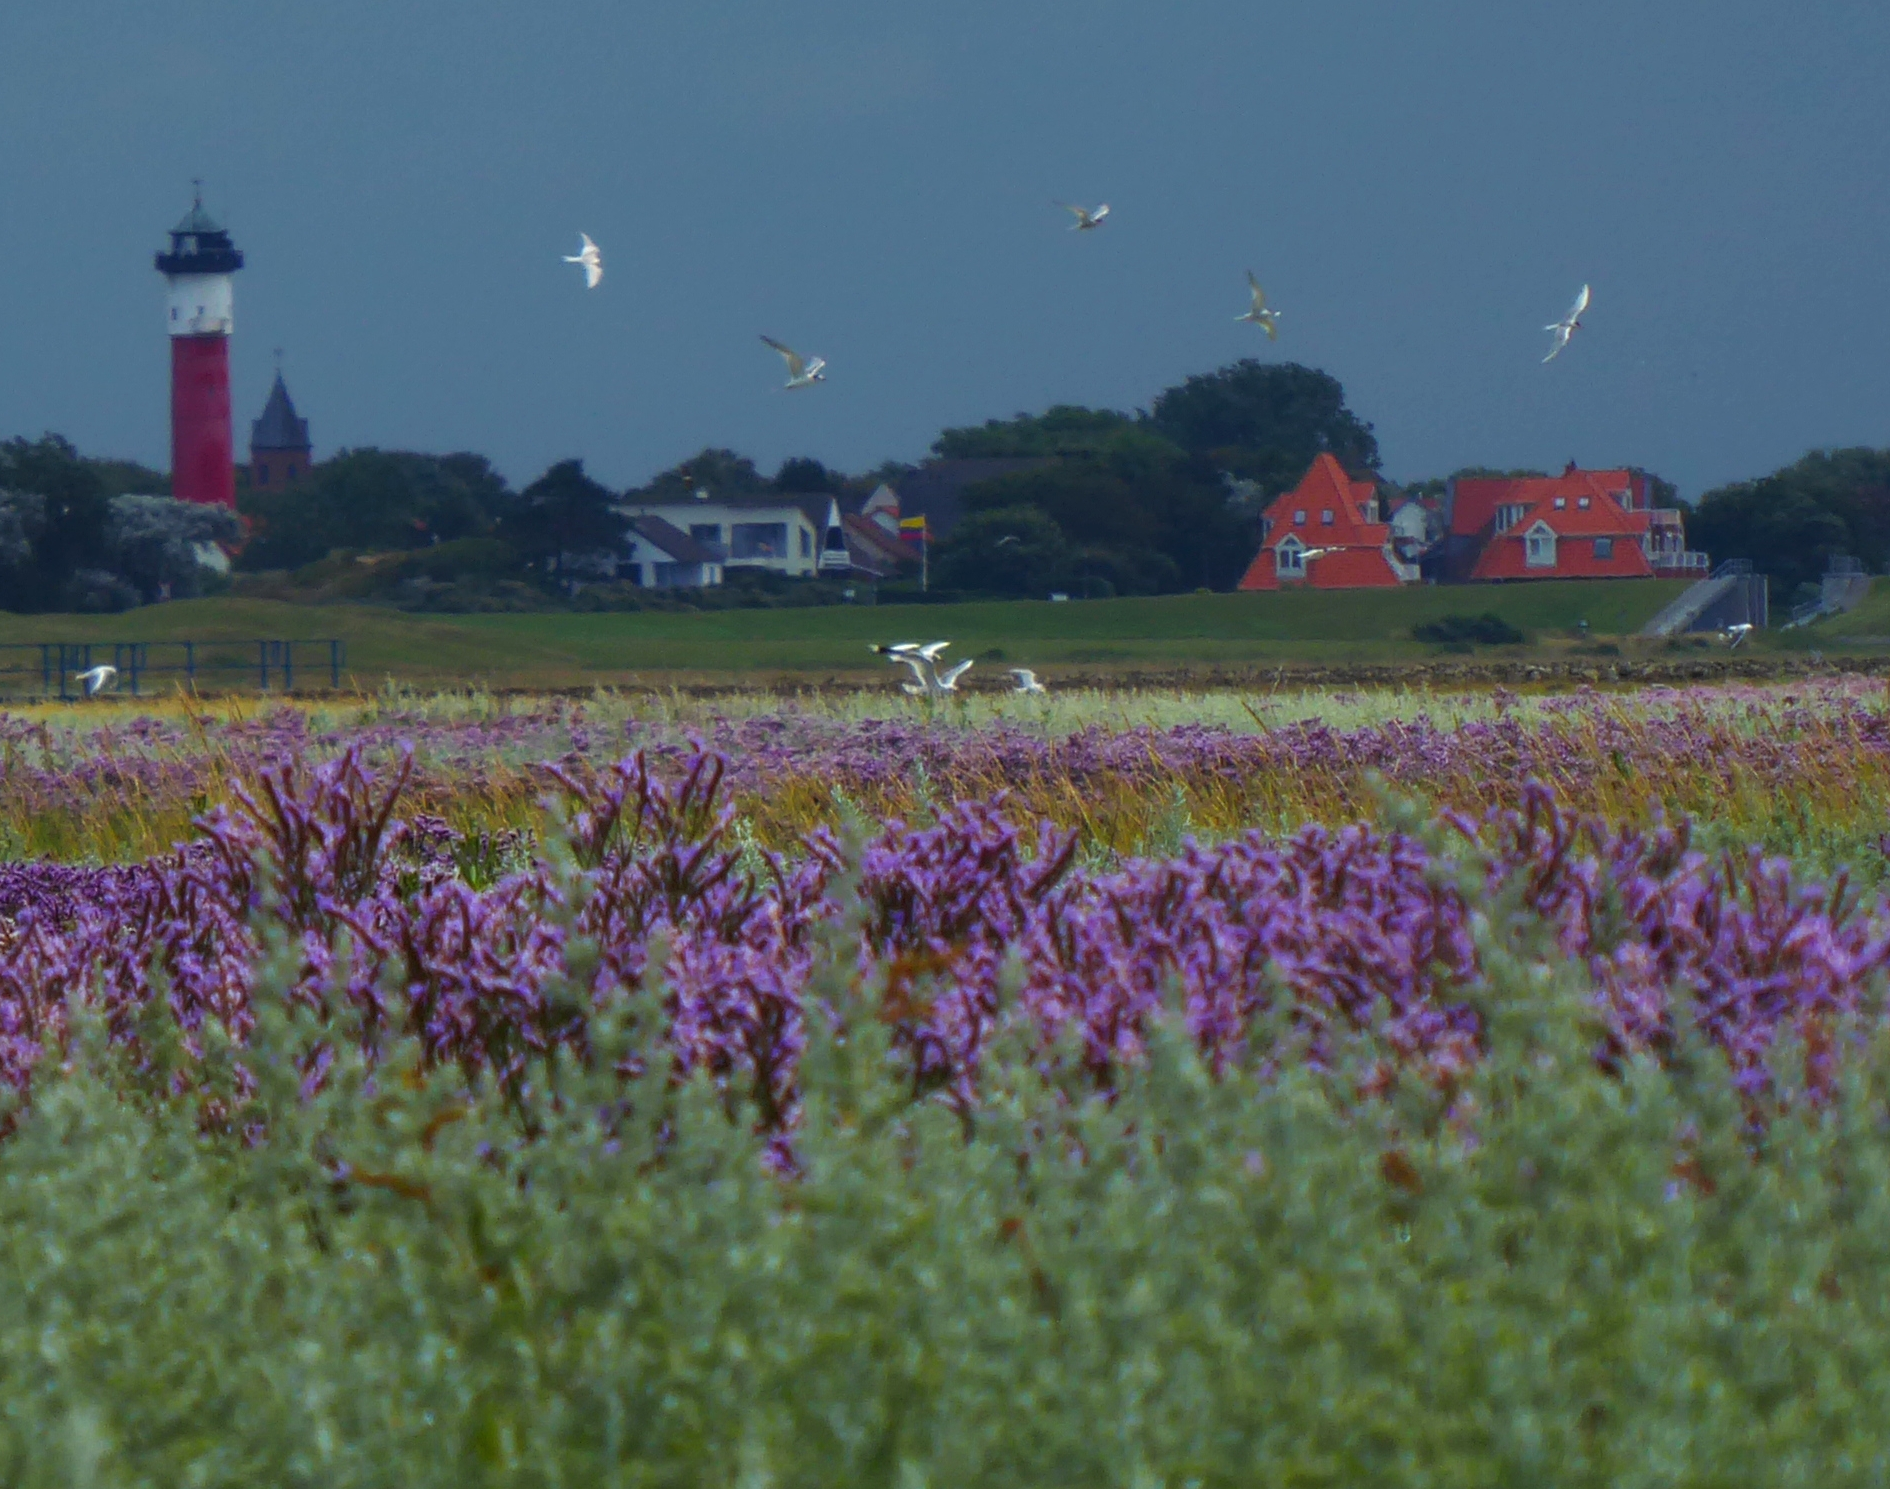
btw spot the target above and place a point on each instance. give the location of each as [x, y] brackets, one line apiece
[1421, 186]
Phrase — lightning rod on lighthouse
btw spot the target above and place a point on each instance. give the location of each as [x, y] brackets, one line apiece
[199, 307]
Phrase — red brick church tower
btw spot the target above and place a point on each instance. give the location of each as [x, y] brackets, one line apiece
[279, 449]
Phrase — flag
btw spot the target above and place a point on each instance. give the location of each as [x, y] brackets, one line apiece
[912, 529]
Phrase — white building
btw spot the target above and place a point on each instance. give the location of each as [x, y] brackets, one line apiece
[764, 533]
[661, 556]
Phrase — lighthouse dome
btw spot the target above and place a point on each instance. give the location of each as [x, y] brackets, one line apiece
[200, 245]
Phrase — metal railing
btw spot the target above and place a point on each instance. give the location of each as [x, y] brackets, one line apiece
[51, 669]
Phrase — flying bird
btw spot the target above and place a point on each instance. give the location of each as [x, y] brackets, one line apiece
[1259, 314]
[1733, 635]
[1568, 325]
[1085, 219]
[922, 662]
[1026, 681]
[802, 373]
[1307, 555]
[97, 680]
[592, 259]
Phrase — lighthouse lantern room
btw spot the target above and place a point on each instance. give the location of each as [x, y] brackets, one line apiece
[200, 312]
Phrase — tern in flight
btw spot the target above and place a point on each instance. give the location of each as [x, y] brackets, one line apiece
[97, 680]
[1733, 635]
[1085, 219]
[1568, 325]
[1259, 314]
[802, 372]
[592, 259]
[922, 661]
[1026, 681]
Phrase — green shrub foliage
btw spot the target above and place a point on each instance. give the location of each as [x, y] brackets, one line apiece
[1552, 1273]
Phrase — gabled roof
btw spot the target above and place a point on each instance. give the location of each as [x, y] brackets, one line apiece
[670, 539]
[1475, 499]
[279, 428]
[1327, 488]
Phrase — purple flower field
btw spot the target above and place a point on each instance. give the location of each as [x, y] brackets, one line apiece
[494, 947]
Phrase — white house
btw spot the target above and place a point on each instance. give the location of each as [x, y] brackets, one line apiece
[658, 554]
[764, 533]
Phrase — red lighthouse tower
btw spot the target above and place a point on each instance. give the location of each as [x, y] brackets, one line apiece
[200, 304]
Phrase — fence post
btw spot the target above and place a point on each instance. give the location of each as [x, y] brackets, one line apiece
[45, 666]
[334, 665]
[262, 665]
[288, 666]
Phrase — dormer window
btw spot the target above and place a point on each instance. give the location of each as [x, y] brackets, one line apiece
[1539, 547]
[1325, 517]
[1299, 517]
[1287, 560]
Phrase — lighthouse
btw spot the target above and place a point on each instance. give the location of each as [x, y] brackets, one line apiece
[199, 304]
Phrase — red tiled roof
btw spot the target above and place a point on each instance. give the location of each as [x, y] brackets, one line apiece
[1360, 559]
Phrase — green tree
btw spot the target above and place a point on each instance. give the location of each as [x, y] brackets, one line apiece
[722, 473]
[1155, 519]
[564, 517]
[64, 531]
[374, 500]
[1790, 523]
[1063, 430]
[801, 476]
[1265, 422]
[1014, 551]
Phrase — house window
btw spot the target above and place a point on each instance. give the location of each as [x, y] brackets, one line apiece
[1539, 548]
[706, 532]
[1326, 517]
[1287, 560]
[807, 544]
[1560, 503]
[1604, 547]
[632, 572]
[757, 540]
[1508, 515]
[1582, 502]
[1299, 517]
[668, 576]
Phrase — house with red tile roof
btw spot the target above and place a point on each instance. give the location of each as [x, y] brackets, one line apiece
[1335, 520]
[1582, 524]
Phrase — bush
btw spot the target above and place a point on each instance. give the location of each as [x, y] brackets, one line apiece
[1543, 1270]
[1487, 629]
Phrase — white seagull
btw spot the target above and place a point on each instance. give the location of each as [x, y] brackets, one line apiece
[1306, 555]
[1733, 635]
[592, 258]
[1085, 219]
[1259, 314]
[802, 373]
[98, 680]
[922, 661]
[1026, 681]
[1568, 325]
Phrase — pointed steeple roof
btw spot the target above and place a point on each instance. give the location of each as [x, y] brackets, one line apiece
[279, 428]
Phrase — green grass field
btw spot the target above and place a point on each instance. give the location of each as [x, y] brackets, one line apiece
[562, 649]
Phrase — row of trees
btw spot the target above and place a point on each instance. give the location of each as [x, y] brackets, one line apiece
[1140, 502]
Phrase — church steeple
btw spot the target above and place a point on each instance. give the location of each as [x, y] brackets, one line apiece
[279, 448]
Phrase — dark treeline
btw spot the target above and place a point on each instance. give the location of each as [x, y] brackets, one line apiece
[1145, 502]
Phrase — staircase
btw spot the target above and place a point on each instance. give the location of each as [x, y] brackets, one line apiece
[1698, 598]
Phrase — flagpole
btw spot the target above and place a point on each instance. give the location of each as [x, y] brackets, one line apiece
[925, 565]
